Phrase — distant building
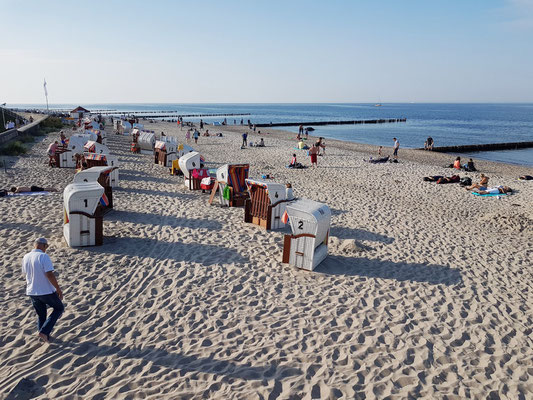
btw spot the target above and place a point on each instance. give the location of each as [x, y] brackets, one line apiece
[78, 112]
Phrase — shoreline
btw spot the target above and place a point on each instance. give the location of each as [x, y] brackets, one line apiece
[410, 154]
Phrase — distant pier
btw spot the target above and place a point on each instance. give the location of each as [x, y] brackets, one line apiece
[171, 114]
[483, 147]
[318, 123]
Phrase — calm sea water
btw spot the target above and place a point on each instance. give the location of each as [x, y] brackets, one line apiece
[448, 124]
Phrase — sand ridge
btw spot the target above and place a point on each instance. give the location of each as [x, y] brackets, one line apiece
[426, 291]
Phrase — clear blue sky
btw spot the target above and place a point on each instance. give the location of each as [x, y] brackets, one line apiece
[268, 51]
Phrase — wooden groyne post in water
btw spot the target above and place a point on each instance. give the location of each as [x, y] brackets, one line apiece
[318, 123]
[483, 147]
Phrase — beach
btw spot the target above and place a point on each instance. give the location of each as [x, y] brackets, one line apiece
[426, 291]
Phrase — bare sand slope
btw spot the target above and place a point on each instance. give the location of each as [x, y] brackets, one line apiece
[427, 291]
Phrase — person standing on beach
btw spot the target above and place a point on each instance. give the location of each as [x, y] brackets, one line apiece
[195, 135]
[201, 124]
[300, 130]
[188, 136]
[52, 153]
[313, 152]
[42, 287]
[396, 147]
[429, 144]
[244, 140]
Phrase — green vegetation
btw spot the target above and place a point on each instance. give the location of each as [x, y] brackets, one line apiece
[23, 142]
[13, 148]
[52, 122]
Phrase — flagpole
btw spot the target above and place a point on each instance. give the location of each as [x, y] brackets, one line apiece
[46, 95]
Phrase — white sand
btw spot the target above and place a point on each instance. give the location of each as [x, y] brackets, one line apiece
[427, 291]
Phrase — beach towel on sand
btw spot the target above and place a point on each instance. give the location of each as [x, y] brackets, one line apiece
[490, 194]
[31, 194]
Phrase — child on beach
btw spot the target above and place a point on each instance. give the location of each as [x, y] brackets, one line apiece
[188, 136]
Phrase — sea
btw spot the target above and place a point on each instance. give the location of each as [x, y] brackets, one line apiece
[448, 124]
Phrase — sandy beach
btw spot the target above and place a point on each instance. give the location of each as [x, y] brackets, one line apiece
[426, 292]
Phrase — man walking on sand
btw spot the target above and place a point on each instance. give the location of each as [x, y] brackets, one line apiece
[396, 147]
[42, 287]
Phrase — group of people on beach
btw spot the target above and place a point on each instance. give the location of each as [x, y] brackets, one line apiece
[317, 149]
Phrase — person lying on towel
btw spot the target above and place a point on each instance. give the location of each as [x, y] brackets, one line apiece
[495, 190]
[452, 179]
[25, 189]
[433, 178]
[378, 160]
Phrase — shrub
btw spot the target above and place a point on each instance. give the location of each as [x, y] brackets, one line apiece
[26, 139]
[52, 122]
[13, 149]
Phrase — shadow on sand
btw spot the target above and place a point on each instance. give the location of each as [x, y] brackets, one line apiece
[185, 363]
[179, 193]
[139, 176]
[371, 268]
[162, 220]
[359, 234]
[205, 254]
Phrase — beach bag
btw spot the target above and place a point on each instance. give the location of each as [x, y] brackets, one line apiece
[3, 193]
[466, 181]
[226, 193]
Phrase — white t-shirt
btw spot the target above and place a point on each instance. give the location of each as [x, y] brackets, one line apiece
[35, 265]
[396, 144]
[494, 190]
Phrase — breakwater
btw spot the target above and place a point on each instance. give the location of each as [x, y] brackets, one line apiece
[319, 123]
[483, 147]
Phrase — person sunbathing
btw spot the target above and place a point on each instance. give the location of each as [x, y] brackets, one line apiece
[482, 185]
[495, 190]
[378, 160]
[25, 189]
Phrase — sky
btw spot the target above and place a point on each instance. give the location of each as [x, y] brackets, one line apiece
[270, 51]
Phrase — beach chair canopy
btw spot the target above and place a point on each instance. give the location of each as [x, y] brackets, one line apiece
[160, 145]
[94, 174]
[275, 191]
[309, 217]
[82, 196]
[90, 146]
[96, 157]
[234, 175]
